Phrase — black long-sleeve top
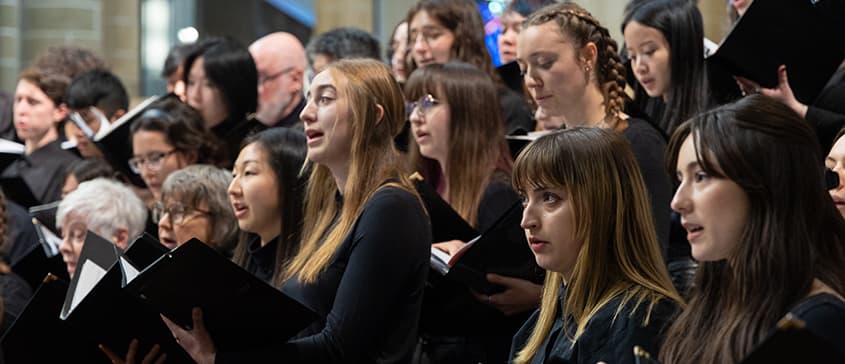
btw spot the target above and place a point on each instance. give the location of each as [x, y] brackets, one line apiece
[368, 299]
[824, 316]
[261, 261]
[43, 171]
[232, 132]
[450, 310]
[609, 336]
[649, 148]
[827, 113]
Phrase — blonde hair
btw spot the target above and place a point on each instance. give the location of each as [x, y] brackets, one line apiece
[612, 220]
[373, 159]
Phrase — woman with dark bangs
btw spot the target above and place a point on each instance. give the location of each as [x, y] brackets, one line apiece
[607, 289]
[459, 147]
[764, 229]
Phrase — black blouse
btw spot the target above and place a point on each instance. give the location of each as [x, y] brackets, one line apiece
[649, 148]
[232, 133]
[609, 336]
[261, 260]
[368, 300]
[43, 171]
[824, 316]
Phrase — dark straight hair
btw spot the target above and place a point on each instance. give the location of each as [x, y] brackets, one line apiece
[183, 129]
[285, 149]
[229, 65]
[793, 235]
[679, 21]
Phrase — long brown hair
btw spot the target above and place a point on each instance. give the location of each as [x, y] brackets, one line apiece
[373, 159]
[620, 255]
[461, 17]
[577, 24]
[477, 146]
[793, 235]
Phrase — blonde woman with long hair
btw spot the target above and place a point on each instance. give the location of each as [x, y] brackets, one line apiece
[587, 221]
[364, 256]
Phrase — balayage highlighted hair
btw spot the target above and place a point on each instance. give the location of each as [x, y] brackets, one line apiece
[619, 254]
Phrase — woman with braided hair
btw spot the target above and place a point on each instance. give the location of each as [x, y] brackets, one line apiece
[572, 69]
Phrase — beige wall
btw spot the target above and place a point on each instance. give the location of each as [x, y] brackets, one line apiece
[108, 27]
[111, 27]
[361, 13]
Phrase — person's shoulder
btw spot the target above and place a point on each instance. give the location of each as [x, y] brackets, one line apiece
[392, 198]
[821, 309]
[620, 315]
[641, 130]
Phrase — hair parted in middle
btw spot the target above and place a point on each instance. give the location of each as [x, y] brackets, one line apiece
[612, 220]
[461, 17]
[578, 25]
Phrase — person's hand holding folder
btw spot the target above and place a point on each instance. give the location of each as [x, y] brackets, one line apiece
[520, 295]
[154, 356]
[196, 342]
[782, 92]
[450, 247]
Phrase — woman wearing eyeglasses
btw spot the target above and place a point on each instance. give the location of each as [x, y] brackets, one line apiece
[167, 137]
[194, 204]
[459, 147]
[440, 31]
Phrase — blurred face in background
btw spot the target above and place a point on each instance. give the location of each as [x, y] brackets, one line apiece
[430, 41]
[399, 44]
[175, 84]
[205, 96]
[35, 115]
[511, 25]
[154, 158]
[836, 162]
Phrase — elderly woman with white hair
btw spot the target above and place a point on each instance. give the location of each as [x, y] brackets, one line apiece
[103, 206]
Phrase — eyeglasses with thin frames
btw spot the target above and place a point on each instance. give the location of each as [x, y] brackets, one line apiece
[262, 79]
[423, 105]
[151, 160]
[177, 213]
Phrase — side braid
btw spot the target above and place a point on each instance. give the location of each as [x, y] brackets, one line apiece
[583, 28]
